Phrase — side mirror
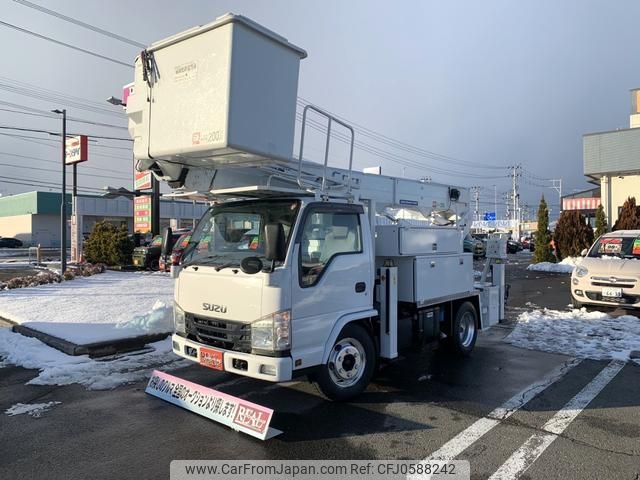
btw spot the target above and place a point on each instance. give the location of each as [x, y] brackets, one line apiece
[251, 265]
[275, 248]
[583, 253]
[166, 242]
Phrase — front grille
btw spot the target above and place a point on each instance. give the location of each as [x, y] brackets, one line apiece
[615, 282]
[613, 285]
[219, 333]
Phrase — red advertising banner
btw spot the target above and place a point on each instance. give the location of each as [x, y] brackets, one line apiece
[142, 214]
[589, 203]
[234, 412]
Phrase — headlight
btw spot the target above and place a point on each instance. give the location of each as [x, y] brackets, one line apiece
[581, 271]
[178, 319]
[272, 332]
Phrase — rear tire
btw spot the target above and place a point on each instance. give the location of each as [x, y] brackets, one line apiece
[350, 366]
[464, 331]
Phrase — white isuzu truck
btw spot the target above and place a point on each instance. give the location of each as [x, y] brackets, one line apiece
[297, 268]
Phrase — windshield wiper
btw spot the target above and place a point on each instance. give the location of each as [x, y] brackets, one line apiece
[226, 265]
[201, 260]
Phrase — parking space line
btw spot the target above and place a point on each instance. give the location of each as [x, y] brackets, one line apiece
[473, 433]
[531, 450]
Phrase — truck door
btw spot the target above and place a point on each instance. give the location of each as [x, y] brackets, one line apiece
[333, 275]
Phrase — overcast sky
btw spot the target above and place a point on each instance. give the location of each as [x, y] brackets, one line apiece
[491, 83]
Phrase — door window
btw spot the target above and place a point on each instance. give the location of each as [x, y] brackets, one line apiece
[324, 236]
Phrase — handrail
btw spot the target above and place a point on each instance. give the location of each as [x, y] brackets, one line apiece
[331, 119]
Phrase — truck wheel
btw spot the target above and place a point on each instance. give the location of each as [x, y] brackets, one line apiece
[464, 330]
[350, 366]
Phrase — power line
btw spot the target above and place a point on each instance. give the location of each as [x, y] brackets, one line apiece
[33, 91]
[56, 162]
[43, 183]
[379, 137]
[80, 23]
[94, 175]
[58, 42]
[69, 119]
[37, 130]
[391, 156]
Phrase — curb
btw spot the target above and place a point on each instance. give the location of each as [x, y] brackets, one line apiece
[98, 349]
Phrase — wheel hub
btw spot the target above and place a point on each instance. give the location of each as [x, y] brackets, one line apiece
[347, 362]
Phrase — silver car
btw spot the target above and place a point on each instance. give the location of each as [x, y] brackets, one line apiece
[609, 273]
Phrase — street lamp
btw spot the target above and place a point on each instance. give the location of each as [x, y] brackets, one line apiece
[63, 204]
[116, 101]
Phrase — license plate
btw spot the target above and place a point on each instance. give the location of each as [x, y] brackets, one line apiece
[212, 358]
[611, 292]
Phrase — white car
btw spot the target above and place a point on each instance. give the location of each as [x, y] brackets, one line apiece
[609, 273]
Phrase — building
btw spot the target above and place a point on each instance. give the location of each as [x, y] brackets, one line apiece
[34, 217]
[612, 161]
[586, 202]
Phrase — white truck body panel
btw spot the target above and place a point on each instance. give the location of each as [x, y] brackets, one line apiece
[398, 240]
[221, 93]
[426, 279]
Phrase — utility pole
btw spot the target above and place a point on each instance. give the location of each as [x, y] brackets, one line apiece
[476, 198]
[495, 200]
[155, 206]
[556, 184]
[516, 199]
[63, 204]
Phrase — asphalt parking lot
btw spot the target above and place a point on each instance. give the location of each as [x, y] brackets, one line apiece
[507, 410]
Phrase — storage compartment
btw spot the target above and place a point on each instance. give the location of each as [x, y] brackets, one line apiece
[221, 93]
[426, 279]
[396, 240]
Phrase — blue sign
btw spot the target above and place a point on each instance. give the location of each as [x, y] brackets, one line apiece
[489, 216]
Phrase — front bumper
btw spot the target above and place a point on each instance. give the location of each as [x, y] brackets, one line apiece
[256, 365]
[583, 291]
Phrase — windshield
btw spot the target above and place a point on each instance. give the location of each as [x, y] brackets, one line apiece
[619, 247]
[230, 232]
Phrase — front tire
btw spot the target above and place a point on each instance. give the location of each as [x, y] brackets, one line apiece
[350, 365]
[576, 304]
[464, 330]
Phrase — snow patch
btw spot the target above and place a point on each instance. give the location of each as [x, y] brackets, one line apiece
[565, 266]
[57, 368]
[578, 333]
[157, 320]
[34, 409]
[110, 306]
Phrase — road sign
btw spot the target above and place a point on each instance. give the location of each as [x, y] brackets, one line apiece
[142, 181]
[76, 150]
[489, 216]
[142, 214]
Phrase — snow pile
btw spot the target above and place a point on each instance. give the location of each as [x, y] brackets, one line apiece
[34, 409]
[110, 306]
[157, 320]
[56, 368]
[565, 266]
[577, 333]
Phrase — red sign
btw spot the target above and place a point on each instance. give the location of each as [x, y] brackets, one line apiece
[76, 150]
[211, 358]
[127, 91]
[142, 214]
[142, 180]
[588, 203]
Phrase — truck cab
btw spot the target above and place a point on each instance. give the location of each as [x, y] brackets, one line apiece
[278, 319]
